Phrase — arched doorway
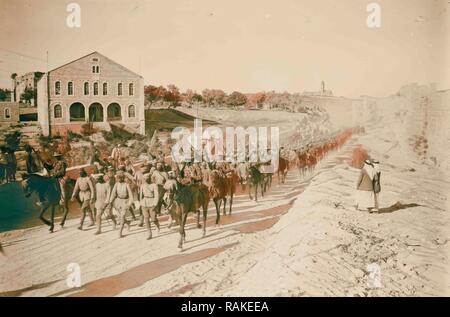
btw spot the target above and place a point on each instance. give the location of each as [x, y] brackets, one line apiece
[96, 112]
[76, 111]
[114, 112]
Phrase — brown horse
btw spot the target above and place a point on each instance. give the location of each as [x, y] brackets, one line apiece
[191, 198]
[222, 186]
[283, 166]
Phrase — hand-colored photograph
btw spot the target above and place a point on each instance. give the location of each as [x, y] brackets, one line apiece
[224, 148]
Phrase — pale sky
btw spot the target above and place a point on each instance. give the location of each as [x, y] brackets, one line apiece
[244, 45]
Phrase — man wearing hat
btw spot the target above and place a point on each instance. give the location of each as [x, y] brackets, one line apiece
[159, 177]
[122, 199]
[117, 155]
[376, 184]
[57, 170]
[32, 160]
[102, 196]
[149, 198]
[364, 187]
[139, 175]
[85, 191]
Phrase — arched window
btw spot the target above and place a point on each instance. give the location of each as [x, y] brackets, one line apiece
[95, 89]
[7, 113]
[57, 111]
[105, 89]
[119, 89]
[76, 112]
[131, 111]
[70, 88]
[131, 89]
[86, 88]
[58, 88]
[114, 112]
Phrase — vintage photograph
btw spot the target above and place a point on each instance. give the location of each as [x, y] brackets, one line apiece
[212, 148]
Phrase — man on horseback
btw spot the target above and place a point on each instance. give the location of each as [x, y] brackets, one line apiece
[33, 163]
[57, 170]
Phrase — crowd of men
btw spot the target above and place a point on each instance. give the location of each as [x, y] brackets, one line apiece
[120, 187]
[113, 191]
[8, 165]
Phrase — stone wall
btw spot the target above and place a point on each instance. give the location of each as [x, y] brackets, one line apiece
[420, 118]
[13, 111]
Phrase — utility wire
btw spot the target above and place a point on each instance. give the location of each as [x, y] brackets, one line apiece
[23, 55]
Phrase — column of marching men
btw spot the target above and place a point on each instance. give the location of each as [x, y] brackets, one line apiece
[145, 191]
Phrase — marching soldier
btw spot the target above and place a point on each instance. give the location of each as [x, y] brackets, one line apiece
[102, 195]
[171, 187]
[159, 177]
[85, 191]
[122, 199]
[149, 198]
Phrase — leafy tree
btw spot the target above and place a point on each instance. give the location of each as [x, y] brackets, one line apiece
[4, 93]
[236, 99]
[197, 98]
[28, 94]
[173, 96]
[208, 96]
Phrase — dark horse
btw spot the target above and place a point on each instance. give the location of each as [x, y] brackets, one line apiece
[255, 180]
[191, 198]
[48, 190]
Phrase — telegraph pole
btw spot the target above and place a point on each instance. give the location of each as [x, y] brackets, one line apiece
[49, 112]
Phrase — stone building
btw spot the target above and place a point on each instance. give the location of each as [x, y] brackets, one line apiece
[9, 112]
[20, 83]
[91, 89]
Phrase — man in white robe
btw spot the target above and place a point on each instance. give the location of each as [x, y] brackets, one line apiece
[364, 188]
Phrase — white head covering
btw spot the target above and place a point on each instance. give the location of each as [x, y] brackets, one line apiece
[368, 167]
[376, 166]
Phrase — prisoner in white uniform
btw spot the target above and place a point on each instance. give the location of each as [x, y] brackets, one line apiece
[122, 199]
[103, 193]
[85, 191]
[149, 197]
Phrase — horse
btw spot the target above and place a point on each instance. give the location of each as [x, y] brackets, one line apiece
[48, 189]
[283, 166]
[242, 174]
[266, 171]
[222, 186]
[189, 199]
[301, 164]
[255, 179]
